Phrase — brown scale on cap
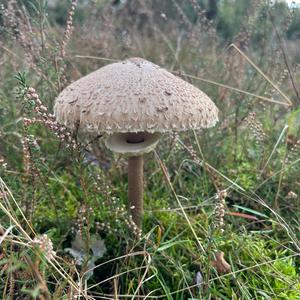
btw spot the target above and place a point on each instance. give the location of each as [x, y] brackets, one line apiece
[134, 96]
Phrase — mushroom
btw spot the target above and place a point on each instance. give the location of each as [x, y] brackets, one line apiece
[133, 102]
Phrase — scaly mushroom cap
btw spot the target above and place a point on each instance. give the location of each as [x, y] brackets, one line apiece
[134, 95]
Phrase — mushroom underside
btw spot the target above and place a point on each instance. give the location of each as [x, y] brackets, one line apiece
[132, 144]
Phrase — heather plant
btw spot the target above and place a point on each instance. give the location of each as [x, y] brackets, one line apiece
[221, 205]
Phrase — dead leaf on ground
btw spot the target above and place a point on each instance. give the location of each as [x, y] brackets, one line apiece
[220, 264]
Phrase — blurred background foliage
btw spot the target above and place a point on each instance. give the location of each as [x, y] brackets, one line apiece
[253, 152]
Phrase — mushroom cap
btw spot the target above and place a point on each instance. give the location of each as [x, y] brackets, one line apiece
[134, 95]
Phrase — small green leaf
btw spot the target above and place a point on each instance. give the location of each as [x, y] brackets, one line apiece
[170, 244]
[251, 211]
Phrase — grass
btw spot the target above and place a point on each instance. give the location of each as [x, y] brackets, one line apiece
[232, 189]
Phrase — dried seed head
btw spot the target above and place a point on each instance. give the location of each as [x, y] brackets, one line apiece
[220, 209]
[256, 127]
[45, 245]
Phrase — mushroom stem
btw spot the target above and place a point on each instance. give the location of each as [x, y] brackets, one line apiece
[135, 188]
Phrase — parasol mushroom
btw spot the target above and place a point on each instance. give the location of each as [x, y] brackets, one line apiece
[133, 102]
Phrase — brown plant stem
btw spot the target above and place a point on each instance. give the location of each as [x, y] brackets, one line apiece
[34, 267]
[135, 188]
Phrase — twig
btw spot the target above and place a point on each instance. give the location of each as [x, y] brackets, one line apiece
[290, 103]
[39, 278]
[284, 56]
[274, 148]
[234, 89]
[167, 177]
[96, 57]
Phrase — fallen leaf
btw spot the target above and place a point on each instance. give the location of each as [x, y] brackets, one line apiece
[220, 264]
